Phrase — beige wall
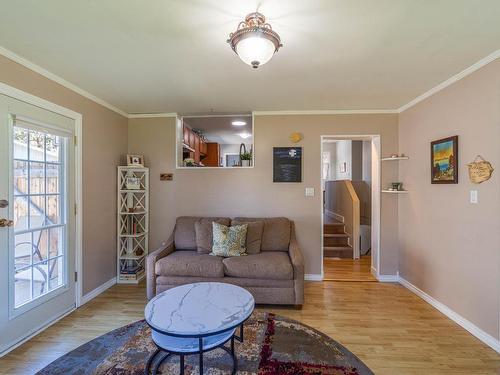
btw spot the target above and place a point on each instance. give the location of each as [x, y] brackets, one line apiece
[104, 141]
[251, 191]
[450, 248]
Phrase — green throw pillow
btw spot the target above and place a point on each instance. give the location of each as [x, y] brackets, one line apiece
[229, 241]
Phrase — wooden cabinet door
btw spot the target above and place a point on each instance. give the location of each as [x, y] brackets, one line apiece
[196, 149]
[203, 148]
[191, 139]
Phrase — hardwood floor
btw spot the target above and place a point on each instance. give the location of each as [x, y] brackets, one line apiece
[393, 331]
[348, 269]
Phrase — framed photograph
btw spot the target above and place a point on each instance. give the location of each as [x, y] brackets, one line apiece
[287, 164]
[133, 183]
[135, 160]
[444, 161]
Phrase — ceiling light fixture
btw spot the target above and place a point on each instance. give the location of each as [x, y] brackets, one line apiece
[254, 40]
[239, 123]
[245, 135]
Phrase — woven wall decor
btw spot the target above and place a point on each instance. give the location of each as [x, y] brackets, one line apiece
[480, 170]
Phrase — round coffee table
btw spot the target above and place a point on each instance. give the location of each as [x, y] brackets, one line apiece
[197, 318]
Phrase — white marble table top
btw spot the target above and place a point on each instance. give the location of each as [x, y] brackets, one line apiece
[199, 309]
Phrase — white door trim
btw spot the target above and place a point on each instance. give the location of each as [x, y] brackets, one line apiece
[77, 117]
[376, 198]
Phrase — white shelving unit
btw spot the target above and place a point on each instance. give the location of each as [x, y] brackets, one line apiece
[397, 158]
[133, 224]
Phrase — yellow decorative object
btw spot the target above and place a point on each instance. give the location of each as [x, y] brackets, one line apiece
[295, 137]
[480, 170]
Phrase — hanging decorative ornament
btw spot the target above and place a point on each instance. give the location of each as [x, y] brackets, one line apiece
[480, 170]
[295, 137]
[254, 41]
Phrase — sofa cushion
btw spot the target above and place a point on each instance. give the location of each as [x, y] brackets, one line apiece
[254, 235]
[273, 265]
[185, 234]
[229, 241]
[204, 232]
[190, 263]
[276, 233]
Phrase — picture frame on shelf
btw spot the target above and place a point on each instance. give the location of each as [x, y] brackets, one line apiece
[135, 160]
[444, 161]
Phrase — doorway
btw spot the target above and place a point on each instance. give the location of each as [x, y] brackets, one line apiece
[38, 225]
[350, 174]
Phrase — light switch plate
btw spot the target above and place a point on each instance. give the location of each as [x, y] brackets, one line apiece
[309, 192]
[473, 196]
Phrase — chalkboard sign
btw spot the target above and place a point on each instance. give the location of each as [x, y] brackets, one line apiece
[287, 164]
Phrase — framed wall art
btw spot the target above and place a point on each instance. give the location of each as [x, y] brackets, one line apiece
[287, 164]
[444, 161]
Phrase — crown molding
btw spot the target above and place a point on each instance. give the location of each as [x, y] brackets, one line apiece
[457, 77]
[152, 115]
[53, 77]
[327, 112]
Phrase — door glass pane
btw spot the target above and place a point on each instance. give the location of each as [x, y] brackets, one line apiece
[52, 178]
[20, 177]
[20, 143]
[53, 209]
[39, 220]
[55, 273]
[20, 213]
[36, 146]
[22, 286]
[37, 178]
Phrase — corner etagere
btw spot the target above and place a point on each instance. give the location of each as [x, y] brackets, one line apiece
[133, 223]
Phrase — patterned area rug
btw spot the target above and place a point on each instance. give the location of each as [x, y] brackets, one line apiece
[272, 345]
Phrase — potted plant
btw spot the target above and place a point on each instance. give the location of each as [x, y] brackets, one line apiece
[246, 159]
[188, 162]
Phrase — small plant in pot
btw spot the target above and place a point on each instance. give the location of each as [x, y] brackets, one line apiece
[246, 159]
[188, 162]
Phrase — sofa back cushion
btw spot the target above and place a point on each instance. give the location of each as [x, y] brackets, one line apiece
[254, 235]
[185, 233]
[204, 232]
[276, 233]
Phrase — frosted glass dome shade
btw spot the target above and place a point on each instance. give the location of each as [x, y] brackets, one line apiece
[255, 50]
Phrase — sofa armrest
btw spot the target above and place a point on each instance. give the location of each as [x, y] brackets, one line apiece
[151, 260]
[298, 267]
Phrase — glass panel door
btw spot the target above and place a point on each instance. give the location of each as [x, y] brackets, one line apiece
[40, 215]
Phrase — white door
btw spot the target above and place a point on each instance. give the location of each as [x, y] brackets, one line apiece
[37, 237]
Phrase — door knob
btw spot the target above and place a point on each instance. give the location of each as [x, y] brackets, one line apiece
[6, 223]
[4, 203]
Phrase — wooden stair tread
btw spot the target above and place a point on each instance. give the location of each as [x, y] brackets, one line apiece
[329, 235]
[347, 247]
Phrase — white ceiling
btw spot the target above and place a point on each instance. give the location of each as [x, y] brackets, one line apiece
[172, 56]
[221, 129]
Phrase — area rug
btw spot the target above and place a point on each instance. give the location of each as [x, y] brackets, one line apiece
[272, 345]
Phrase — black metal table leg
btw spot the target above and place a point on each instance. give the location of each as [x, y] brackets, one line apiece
[201, 355]
[150, 360]
[182, 364]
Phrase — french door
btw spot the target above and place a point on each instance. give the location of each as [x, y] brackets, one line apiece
[37, 219]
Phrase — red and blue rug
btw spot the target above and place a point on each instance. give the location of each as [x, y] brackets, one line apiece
[273, 345]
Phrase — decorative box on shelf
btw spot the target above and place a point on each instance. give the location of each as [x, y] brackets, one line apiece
[133, 223]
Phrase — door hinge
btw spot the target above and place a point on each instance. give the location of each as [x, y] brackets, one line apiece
[76, 276]
[76, 209]
[74, 139]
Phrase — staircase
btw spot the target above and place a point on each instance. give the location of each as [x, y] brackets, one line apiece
[336, 241]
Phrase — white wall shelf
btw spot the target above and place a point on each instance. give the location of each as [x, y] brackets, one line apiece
[133, 226]
[395, 191]
[396, 158]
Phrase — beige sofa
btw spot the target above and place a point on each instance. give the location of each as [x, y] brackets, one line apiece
[275, 275]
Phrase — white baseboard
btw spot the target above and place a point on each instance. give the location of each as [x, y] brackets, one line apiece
[335, 216]
[460, 320]
[94, 293]
[34, 332]
[313, 277]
